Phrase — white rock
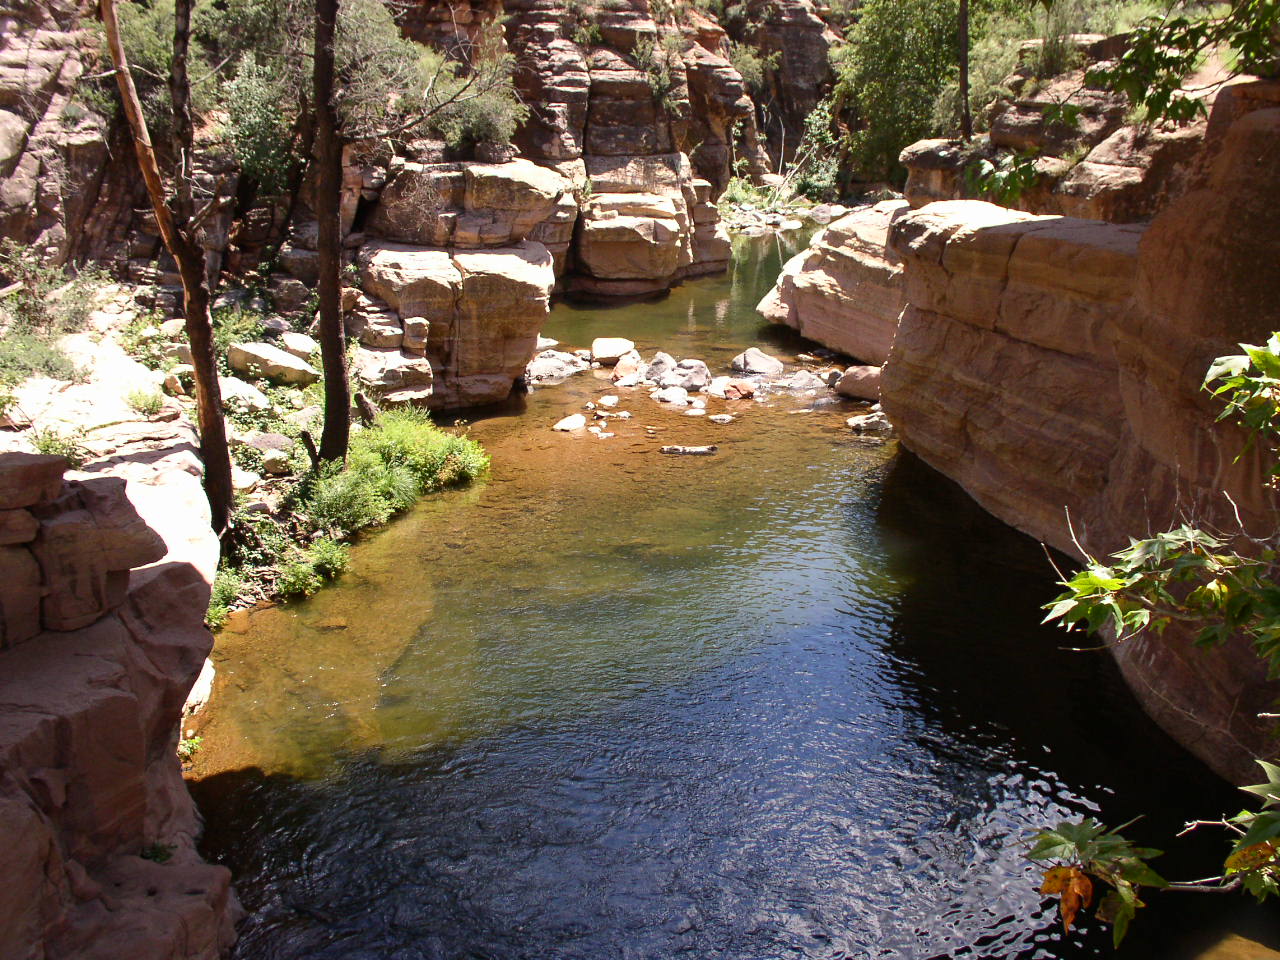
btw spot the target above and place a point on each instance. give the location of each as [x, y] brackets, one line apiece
[575, 421]
[752, 360]
[546, 343]
[276, 463]
[610, 349]
[264, 360]
[298, 344]
[243, 481]
[238, 392]
[717, 387]
[675, 395]
[695, 412]
[660, 366]
[699, 402]
[721, 418]
[630, 380]
[875, 423]
[608, 401]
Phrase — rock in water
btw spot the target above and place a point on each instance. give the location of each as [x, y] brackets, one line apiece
[610, 349]
[575, 421]
[756, 361]
[659, 366]
[677, 396]
[690, 451]
[860, 383]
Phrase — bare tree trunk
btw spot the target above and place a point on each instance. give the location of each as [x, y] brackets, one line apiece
[966, 118]
[333, 347]
[187, 254]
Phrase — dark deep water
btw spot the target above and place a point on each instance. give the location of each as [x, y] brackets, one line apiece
[790, 701]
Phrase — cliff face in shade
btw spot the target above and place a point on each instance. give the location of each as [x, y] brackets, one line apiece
[94, 668]
[1056, 364]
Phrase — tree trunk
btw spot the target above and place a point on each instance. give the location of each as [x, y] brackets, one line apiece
[190, 260]
[333, 346]
[966, 118]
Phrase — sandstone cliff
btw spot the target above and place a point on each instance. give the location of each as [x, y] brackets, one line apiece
[1053, 366]
[95, 663]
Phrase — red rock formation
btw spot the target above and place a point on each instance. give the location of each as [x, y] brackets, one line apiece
[94, 666]
[846, 289]
[1051, 363]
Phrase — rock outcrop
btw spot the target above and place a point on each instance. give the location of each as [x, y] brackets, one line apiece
[1053, 366]
[1098, 166]
[449, 328]
[846, 289]
[95, 663]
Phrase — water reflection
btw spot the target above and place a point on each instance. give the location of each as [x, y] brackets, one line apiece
[789, 701]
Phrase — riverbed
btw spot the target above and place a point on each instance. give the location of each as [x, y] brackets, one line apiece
[790, 700]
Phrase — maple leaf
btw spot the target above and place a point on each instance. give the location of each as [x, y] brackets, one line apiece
[1251, 857]
[1074, 889]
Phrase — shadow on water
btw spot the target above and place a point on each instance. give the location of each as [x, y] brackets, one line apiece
[790, 701]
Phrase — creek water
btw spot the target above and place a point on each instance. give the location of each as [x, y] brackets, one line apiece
[792, 700]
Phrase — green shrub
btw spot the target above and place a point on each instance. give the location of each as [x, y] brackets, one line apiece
[25, 355]
[298, 579]
[234, 324]
[56, 444]
[227, 587]
[258, 126]
[145, 402]
[328, 557]
[341, 502]
[188, 747]
[752, 65]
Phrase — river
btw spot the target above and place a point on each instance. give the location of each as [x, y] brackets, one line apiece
[792, 700]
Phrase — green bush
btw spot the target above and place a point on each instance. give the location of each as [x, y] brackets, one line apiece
[227, 587]
[752, 65]
[328, 557]
[145, 402]
[298, 579]
[258, 126]
[57, 444]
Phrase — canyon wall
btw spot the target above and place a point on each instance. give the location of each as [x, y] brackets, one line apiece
[1053, 367]
[95, 664]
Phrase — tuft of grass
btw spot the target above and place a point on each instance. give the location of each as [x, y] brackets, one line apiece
[188, 747]
[146, 402]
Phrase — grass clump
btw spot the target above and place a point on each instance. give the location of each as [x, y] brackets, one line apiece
[57, 444]
[145, 402]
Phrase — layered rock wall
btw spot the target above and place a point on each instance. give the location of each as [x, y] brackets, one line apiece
[95, 663]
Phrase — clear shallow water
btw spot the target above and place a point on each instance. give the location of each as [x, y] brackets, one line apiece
[789, 701]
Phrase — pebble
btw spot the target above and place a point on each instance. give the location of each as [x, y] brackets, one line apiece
[721, 418]
[574, 421]
[695, 412]
[608, 401]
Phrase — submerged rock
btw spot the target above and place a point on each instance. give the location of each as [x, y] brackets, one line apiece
[575, 421]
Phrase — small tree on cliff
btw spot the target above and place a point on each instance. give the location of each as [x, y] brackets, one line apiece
[179, 220]
[1191, 576]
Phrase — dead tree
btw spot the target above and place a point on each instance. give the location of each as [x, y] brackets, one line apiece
[178, 226]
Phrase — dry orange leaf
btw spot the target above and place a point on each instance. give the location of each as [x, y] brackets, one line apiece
[1074, 888]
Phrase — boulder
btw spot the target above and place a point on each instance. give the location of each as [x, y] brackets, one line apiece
[255, 360]
[554, 365]
[575, 421]
[629, 364]
[692, 375]
[676, 396]
[298, 344]
[609, 350]
[755, 361]
[659, 366]
[846, 290]
[859, 383]
[29, 478]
